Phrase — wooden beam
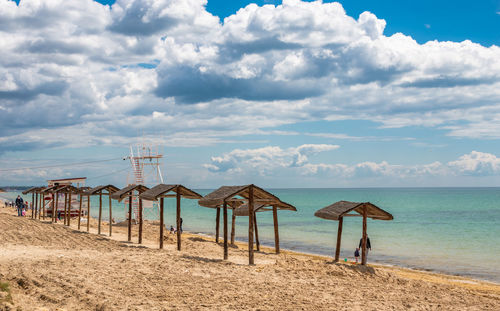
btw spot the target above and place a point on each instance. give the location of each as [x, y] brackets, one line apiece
[88, 213]
[217, 220]
[110, 216]
[36, 205]
[100, 213]
[55, 197]
[178, 218]
[69, 209]
[225, 231]
[339, 237]
[42, 201]
[250, 225]
[257, 242]
[233, 223]
[129, 236]
[65, 206]
[140, 222]
[80, 211]
[43, 211]
[276, 232]
[363, 244]
[161, 223]
[32, 205]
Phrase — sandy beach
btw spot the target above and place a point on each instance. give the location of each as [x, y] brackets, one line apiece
[46, 266]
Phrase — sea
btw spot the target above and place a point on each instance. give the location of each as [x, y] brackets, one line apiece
[448, 230]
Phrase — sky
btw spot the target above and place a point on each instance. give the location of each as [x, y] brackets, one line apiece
[276, 93]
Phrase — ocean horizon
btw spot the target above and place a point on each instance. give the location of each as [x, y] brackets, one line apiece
[452, 230]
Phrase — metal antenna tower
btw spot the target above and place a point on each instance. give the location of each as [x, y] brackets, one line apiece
[146, 170]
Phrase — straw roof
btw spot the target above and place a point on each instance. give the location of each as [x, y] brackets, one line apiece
[30, 190]
[161, 190]
[98, 189]
[341, 208]
[227, 194]
[51, 189]
[123, 193]
[69, 189]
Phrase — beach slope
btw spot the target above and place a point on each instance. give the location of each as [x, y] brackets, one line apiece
[47, 266]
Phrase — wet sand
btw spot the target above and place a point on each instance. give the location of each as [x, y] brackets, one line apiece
[54, 267]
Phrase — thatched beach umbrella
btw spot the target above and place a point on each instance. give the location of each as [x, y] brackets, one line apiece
[341, 209]
[160, 192]
[247, 197]
[33, 191]
[128, 192]
[99, 191]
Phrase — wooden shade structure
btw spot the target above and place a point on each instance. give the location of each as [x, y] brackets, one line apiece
[341, 209]
[99, 191]
[39, 202]
[68, 191]
[162, 191]
[248, 199]
[128, 192]
[81, 193]
[33, 191]
[52, 190]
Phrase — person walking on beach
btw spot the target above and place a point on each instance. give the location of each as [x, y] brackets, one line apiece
[19, 205]
[368, 244]
[356, 254]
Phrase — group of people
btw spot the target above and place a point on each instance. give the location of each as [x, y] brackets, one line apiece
[173, 230]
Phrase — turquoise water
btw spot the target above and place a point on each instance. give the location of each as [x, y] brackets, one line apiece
[451, 230]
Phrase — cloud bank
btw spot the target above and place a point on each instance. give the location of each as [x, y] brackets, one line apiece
[80, 64]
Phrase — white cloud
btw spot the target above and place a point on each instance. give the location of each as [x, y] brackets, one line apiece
[109, 70]
[477, 163]
[267, 159]
[275, 161]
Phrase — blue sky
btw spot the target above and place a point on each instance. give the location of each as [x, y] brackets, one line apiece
[292, 94]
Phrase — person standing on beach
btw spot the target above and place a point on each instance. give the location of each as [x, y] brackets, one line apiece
[19, 205]
[368, 244]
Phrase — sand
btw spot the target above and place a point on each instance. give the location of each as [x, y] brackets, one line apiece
[54, 267]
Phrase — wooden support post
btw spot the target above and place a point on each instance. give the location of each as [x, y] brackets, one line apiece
[110, 215]
[43, 210]
[88, 213]
[129, 237]
[276, 232]
[250, 225]
[65, 208]
[80, 211]
[100, 213]
[257, 242]
[233, 223]
[217, 220]
[42, 200]
[55, 197]
[140, 221]
[225, 230]
[36, 205]
[69, 209]
[178, 215]
[161, 223]
[363, 244]
[339, 237]
[32, 205]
